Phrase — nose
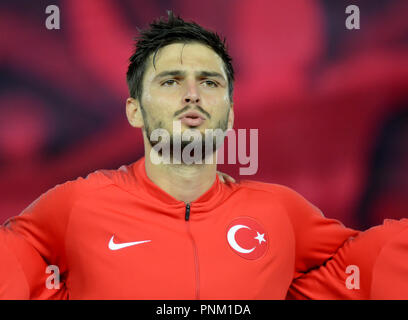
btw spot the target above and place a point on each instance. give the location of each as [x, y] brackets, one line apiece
[192, 95]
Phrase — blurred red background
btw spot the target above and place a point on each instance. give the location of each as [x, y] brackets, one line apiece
[330, 104]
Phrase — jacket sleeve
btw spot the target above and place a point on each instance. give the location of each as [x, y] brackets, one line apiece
[13, 284]
[371, 266]
[34, 240]
[317, 238]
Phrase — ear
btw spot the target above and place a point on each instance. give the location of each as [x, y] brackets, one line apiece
[134, 113]
[231, 117]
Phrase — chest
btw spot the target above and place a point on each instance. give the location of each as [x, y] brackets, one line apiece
[227, 253]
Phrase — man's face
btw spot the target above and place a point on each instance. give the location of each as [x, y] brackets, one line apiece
[188, 83]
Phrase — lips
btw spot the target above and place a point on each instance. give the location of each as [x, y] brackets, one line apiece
[192, 119]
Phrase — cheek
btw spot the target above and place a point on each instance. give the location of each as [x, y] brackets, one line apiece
[158, 107]
[147, 99]
[165, 96]
[217, 104]
[226, 97]
[211, 102]
[217, 98]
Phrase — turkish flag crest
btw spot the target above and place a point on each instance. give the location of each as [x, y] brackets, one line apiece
[247, 238]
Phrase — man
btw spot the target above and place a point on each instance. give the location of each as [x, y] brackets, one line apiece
[372, 266]
[169, 230]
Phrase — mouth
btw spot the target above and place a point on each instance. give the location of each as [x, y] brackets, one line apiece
[192, 119]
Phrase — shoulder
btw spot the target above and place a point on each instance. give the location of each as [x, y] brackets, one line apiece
[278, 191]
[381, 253]
[264, 186]
[296, 206]
[71, 190]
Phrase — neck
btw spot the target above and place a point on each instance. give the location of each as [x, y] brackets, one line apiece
[183, 182]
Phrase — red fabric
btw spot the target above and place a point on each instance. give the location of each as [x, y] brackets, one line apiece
[71, 225]
[380, 254]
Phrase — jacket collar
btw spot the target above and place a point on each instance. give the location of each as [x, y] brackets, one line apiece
[212, 198]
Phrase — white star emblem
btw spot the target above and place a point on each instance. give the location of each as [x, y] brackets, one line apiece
[260, 237]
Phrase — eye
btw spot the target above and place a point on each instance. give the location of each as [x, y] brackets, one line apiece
[169, 83]
[210, 83]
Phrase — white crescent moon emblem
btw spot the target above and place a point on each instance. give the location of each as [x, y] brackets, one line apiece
[233, 242]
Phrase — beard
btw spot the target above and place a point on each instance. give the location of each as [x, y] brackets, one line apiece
[198, 148]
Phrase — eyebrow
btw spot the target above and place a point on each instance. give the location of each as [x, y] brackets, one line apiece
[175, 73]
[210, 74]
[172, 73]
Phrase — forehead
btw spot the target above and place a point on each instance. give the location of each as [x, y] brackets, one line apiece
[187, 57]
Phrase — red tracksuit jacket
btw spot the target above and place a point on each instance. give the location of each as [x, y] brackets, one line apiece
[116, 235]
[378, 268]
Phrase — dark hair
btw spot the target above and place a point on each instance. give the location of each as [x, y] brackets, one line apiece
[162, 33]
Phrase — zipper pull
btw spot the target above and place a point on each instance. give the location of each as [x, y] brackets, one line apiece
[187, 211]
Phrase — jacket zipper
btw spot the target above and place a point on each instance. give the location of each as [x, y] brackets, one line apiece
[197, 270]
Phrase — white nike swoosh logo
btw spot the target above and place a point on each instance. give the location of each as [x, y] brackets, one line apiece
[117, 246]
